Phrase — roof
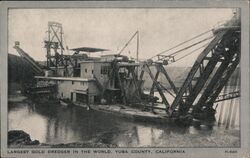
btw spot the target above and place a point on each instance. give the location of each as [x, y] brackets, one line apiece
[94, 61]
[82, 91]
[65, 78]
[89, 49]
[126, 64]
[107, 55]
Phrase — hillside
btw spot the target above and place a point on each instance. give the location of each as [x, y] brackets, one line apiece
[178, 76]
[18, 69]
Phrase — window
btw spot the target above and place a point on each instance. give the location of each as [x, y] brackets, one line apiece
[72, 82]
[86, 70]
[92, 71]
[82, 83]
[105, 69]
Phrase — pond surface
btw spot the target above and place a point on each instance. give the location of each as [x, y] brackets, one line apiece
[54, 124]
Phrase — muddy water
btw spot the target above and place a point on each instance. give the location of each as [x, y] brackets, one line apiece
[57, 124]
[223, 115]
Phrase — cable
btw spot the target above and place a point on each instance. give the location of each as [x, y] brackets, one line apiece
[190, 46]
[182, 43]
[185, 48]
[189, 53]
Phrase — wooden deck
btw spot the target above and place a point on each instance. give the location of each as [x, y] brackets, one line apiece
[133, 113]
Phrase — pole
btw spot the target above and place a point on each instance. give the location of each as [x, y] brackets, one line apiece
[128, 42]
[137, 49]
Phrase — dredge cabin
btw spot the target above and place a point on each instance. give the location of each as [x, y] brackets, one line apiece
[94, 80]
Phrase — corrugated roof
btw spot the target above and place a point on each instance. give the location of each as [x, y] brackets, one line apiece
[89, 49]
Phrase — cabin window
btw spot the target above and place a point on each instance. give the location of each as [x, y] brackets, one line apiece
[86, 70]
[105, 69]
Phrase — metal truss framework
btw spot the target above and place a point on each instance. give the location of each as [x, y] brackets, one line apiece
[54, 43]
[207, 77]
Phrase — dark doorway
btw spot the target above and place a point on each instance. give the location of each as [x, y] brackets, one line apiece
[71, 96]
[82, 98]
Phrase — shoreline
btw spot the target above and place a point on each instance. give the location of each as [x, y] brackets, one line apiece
[21, 139]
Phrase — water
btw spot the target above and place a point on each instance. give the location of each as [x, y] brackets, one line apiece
[222, 114]
[55, 124]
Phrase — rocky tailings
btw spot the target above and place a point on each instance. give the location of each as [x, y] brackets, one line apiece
[20, 138]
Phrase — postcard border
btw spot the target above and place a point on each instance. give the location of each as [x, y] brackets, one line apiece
[210, 152]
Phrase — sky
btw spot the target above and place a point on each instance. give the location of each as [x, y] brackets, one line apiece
[159, 29]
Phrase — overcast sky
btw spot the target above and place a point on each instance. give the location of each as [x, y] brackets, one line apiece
[159, 29]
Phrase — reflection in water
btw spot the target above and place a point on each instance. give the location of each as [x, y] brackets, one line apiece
[222, 108]
[56, 124]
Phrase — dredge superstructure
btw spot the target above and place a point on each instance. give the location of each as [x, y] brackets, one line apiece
[114, 83]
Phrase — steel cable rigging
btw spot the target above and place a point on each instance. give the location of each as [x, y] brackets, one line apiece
[161, 55]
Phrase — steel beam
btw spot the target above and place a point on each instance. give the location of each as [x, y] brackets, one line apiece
[224, 79]
[213, 82]
[153, 85]
[163, 70]
[164, 100]
[194, 69]
[30, 60]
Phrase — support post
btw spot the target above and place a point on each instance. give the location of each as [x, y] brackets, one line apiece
[164, 100]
